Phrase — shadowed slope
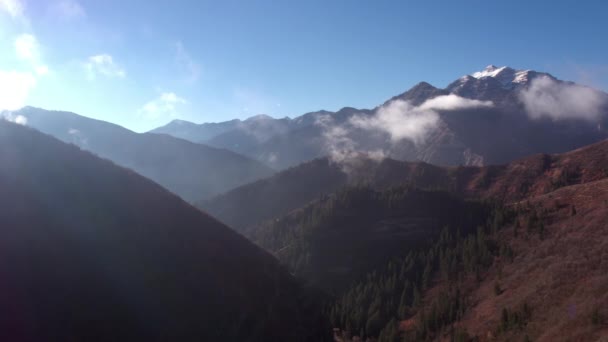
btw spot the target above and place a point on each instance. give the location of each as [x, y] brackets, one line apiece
[91, 251]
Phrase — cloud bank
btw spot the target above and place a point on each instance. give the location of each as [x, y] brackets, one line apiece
[453, 102]
[559, 100]
[401, 120]
[18, 119]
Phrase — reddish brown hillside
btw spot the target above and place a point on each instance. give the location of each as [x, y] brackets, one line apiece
[535, 175]
[560, 274]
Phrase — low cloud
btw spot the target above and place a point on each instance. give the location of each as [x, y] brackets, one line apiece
[453, 102]
[104, 65]
[18, 119]
[401, 120]
[337, 143]
[165, 105]
[341, 148]
[14, 89]
[77, 138]
[559, 100]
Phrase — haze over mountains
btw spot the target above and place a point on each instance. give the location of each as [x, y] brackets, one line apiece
[91, 251]
[193, 171]
[476, 212]
[489, 117]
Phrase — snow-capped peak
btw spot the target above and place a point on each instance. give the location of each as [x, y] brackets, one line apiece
[507, 76]
[489, 71]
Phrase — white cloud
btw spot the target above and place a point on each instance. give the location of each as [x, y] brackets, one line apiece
[452, 102]
[68, 9]
[186, 63]
[401, 120]
[27, 49]
[337, 141]
[103, 64]
[78, 138]
[559, 100]
[21, 120]
[14, 89]
[341, 148]
[42, 70]
[18, 119]
[165, 105]
[14, 8]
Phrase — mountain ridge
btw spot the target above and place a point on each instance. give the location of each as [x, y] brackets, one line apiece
[294, 187]
[486, 135]
[94, 251]
[193, 171]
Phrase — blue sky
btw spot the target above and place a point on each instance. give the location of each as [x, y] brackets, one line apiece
[142, 64]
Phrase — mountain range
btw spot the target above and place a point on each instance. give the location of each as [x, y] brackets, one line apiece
[251, 204]
[476, 212]
[193, 171]
[489, 117]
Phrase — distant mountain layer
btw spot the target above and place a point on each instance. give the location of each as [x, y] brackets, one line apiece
[90, 251]
[193, 171]
[554, 116]
[288, 190]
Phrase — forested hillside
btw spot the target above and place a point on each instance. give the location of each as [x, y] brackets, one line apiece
[337, 239]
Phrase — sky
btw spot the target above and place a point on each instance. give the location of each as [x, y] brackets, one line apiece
[141, 64]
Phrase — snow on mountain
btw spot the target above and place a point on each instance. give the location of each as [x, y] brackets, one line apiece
[507, 76]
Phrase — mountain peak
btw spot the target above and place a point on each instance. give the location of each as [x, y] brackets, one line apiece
[180, 122]
[423, 85]
[507, 76]
[259, 117]
[492, 71]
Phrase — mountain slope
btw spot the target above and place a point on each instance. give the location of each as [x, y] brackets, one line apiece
[288, 190]
[537, 274]
[192, 171]
[561, 274]
[336, 240]
[291, 189]
[91, 251]
[536, 271]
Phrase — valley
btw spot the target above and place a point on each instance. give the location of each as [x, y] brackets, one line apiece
[483, 223]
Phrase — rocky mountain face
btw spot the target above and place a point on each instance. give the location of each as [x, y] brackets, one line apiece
[510, 121]
[193, 171]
